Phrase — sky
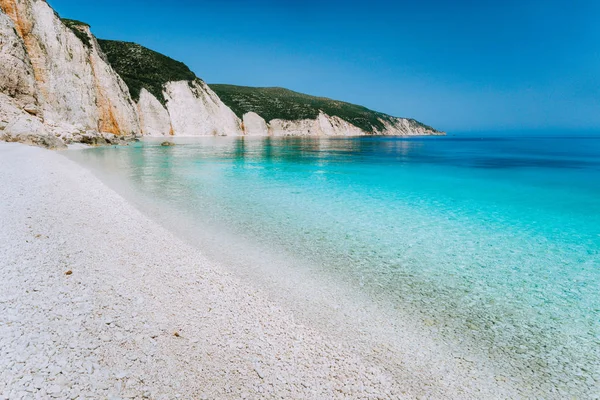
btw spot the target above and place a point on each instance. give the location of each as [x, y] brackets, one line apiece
[458, 65]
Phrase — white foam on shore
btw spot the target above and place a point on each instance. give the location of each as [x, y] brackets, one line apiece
[107, 329]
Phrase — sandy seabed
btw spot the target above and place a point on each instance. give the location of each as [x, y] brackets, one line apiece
[99, 301]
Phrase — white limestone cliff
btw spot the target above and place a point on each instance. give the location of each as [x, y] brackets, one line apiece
[255, 125]
[195, 110]
[18, 90]
[405, 127]
[323, 125]
[302, 127]
[192, 109]
[154, 118]
[16, 72]
[46, 70]
[326, 125]
[71, 82]
[335, 126]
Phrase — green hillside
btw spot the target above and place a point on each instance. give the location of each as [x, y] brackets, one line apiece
[143, 68]
[279, 103]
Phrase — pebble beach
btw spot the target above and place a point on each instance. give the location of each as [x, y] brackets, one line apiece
[99, 301]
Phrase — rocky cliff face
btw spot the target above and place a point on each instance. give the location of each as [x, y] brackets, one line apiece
[405, 127]
[64, 80]
[195, 110]
[17, 79]
[191, 109]
[18, 88]
[282, 112]
[171, 99]
[326, 125]
[323, 125]
[254, 125]
[154, 118]
[58, 84]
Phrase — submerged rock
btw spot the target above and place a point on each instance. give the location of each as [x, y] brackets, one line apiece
[167, 144]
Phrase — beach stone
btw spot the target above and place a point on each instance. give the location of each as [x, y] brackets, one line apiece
[54, 389]
[30, 130]
[89, 137]
[109, 137]
[31, 109]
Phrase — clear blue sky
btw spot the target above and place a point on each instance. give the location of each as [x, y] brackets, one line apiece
[456, 64]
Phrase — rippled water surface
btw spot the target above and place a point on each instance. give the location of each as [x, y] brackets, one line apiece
[496, 238]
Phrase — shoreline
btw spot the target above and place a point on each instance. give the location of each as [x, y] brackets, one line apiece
[110, 325]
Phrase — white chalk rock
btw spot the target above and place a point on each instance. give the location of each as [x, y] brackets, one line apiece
[255, 125]
[404, 127]
[74, 83]
[10, 109]
[17, 79]
[323, 125]
[30, 130]
[196, 110]
[303, 127]
[335, 126]
[154, 118]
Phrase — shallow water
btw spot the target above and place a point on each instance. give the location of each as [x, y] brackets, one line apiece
[491, 240]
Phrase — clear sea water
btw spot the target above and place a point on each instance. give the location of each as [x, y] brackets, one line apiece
[491, 239]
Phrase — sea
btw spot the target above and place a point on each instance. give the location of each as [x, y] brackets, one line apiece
[490, 240]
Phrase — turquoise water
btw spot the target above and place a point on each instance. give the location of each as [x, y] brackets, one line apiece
[492, 240]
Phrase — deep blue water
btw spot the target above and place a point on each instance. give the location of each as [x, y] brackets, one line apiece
[493, 238]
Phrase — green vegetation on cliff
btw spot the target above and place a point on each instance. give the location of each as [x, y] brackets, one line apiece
[141, 68]
[77, 27]
[279, 103]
